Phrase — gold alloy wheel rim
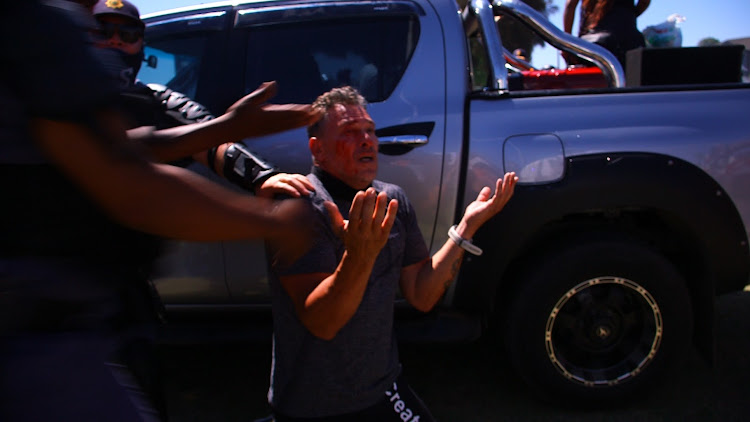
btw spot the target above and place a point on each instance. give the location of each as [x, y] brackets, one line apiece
[609, 337]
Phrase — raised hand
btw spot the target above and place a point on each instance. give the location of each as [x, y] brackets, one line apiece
[484, 207]
[254, 117]
[371, 218]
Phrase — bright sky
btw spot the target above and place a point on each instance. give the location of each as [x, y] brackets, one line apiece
[720, 19]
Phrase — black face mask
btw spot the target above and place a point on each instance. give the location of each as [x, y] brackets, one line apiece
[122, 66]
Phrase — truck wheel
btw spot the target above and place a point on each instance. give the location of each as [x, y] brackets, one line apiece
[598, 321]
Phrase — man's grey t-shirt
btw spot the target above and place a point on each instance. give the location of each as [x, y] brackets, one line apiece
[312, 377]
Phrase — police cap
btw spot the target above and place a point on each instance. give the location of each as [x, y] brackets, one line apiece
[118, 7]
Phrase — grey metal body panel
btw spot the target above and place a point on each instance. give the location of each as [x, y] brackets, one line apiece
[707, 128]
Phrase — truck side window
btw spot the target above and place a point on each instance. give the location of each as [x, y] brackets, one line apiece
[309, 58]
[178, 63]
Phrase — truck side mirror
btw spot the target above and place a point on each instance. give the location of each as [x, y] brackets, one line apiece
[151, 61]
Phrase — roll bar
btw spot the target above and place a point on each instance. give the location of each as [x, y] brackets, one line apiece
[485, 13]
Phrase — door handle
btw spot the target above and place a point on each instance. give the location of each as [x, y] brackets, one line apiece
[400, 139]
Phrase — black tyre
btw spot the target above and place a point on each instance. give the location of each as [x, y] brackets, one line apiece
[597, 321]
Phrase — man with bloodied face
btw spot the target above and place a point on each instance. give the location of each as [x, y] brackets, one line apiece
[334, 353]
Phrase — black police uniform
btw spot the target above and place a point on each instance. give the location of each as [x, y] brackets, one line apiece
[161, 107]
[64, 264]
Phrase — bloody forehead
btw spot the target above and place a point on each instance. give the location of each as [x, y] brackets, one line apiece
[343, 115]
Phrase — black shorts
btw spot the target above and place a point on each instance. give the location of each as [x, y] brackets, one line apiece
[399, 404]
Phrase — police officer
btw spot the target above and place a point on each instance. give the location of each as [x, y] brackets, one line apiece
[77, 199]
[120, 37]
[121, 34]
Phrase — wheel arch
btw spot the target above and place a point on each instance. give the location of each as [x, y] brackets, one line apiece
[669, 204]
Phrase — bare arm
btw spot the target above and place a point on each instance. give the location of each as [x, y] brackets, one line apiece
[569, 15]
[217, 166]
[248, 117]
[423, 283]
[326, 302]
[243, 168]
[158, 199]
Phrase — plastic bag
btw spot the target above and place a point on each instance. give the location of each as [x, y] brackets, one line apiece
[665, 34]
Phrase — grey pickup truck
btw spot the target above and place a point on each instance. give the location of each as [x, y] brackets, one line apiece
[633, 207]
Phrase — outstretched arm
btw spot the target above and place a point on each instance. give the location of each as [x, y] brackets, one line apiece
[230, 160]
[326, 302]
[423, 283]
[158, 199]
[249, 117]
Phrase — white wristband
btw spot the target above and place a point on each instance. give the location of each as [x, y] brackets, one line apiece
[463, 243]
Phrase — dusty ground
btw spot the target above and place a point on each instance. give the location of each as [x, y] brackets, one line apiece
[468, 383]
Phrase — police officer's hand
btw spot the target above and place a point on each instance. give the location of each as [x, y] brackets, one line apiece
[252, 116]
[294, 185]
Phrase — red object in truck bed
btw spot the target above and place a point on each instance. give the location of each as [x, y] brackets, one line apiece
[571, 78]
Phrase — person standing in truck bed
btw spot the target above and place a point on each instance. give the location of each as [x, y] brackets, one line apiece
[609, 23]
